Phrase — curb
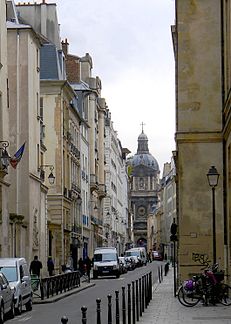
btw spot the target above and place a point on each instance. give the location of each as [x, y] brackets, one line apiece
[56, 298]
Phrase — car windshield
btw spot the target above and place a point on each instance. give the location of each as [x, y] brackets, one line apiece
[105, 257]
[10, 273]
[132, 253]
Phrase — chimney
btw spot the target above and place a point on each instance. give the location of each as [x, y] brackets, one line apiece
[65, 47]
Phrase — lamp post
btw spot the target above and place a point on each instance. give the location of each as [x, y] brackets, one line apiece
[4, 156]
[51, 177]
[213, 177]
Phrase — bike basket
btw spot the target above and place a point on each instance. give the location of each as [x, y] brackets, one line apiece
[189, 286]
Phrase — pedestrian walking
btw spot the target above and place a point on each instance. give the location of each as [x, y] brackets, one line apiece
[50, 266]
[81, 266]
[87, 263]
[35, 266]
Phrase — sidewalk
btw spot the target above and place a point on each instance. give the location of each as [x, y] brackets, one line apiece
[164, 308]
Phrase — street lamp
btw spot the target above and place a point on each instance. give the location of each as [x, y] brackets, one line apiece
[51, 177]
[4, 156]
[213, 177]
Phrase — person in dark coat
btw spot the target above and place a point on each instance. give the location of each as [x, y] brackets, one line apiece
[35, 266]
[87, 263]
[81, 266]
[50, 266]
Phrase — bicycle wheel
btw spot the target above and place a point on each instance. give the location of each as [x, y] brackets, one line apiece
[188, 300]
[225, 295]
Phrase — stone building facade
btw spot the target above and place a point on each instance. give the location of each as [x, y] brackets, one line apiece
[202, 52]
[144, 186]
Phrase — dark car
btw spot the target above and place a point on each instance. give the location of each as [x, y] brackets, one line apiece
[6, 299]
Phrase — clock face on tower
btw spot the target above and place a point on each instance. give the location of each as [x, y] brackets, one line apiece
[141, 211]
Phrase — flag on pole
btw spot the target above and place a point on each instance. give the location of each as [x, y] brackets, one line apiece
[17, 157]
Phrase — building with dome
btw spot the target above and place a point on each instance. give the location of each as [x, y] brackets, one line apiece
[144, 186]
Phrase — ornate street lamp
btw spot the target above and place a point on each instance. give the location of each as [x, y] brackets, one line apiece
[4, 156]
[213, 177]
[51, 177]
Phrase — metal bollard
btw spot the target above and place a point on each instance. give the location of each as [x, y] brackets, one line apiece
[129, 303]
[98, 310]
[109, 316]
[117, 307]
[124, 305]
[145, 291]
[133, 303]
[137, 301]
[64, 319]
[140, 294]
[159, 275]
[147, 285]
[84, 314]
[150, 285]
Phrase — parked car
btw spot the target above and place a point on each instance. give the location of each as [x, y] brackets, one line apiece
[123, 265]
[139, 253]
[6, 299]
[106, 262]
[157, 256]
[17, 273]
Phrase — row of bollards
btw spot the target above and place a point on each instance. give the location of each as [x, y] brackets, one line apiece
[133, 303]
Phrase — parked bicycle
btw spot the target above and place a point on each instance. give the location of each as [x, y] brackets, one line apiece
[207, 288]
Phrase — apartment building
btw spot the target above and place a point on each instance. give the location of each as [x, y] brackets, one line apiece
[115, 210]
[4, 135]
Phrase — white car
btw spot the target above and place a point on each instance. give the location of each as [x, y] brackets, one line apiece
[17, 273]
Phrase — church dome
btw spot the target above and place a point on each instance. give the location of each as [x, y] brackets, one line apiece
[143, 157]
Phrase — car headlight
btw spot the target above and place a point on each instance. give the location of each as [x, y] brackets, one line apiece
[95, 267]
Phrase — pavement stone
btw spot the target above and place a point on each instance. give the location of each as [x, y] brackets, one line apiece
[164, 308]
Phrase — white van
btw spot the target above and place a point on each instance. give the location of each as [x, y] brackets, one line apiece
[17, 273]
[106, 262]
[139, 252]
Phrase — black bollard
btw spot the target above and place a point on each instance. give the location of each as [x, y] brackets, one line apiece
[124, 305]
[150, 286]
[133, 303]
[109, 316]
[140, 296]
[129, 303]
[98, 310]
[137, 301]
[145, 291]
[147, 285]
[159, 275]
[64, 319]
[84, 314]
[166, 268]
[117, 307]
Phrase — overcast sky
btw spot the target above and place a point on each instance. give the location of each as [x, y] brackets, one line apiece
[130, 43]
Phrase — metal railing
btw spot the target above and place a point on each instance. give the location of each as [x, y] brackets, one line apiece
[47, 287]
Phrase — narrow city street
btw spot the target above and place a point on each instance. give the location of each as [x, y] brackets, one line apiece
[71, 306]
